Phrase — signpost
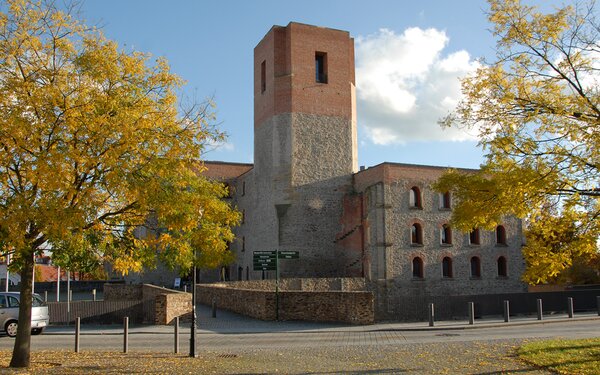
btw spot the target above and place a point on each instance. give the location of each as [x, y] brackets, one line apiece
[269, 261]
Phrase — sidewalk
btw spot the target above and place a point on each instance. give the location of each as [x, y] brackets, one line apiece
[231, 323]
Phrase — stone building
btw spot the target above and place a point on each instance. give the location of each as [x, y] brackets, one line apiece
[305, 191]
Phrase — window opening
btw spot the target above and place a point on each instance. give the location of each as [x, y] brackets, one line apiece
[502, 267]
[416, 234]
[417, 267]
[475, 267]
[263, 77]
[321, 67]
[447, 267]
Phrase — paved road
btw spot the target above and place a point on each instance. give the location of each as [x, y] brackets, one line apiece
[231, 332]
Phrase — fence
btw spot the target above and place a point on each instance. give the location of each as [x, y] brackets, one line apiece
[100, 312]
[455, 307]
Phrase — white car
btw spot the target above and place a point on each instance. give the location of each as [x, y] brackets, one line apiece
[9, 313]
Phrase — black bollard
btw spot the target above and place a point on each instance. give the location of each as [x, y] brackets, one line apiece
[431, 315]
[570, 307]
[471, 313]
[506, 311]
[125, 334]
[540, 314]
[176, 335]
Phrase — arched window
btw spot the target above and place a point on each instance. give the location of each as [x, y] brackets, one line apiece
[416, 234]
[447, 267]
[474, 237]
[445, 201]
[417, 266]
[500, 235]
[475, 267]
[445, 235]
[502, 267]
[240, 273]
[414, 199]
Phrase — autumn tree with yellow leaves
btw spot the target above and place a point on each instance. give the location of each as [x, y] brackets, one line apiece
[94, 144]
[537, 109]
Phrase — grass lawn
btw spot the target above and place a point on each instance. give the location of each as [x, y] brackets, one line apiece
[564, 356]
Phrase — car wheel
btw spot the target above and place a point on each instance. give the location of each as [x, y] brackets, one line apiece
[37, 331]
[11, 328]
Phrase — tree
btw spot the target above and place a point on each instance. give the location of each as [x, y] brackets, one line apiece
[537, 109]
[94, 148]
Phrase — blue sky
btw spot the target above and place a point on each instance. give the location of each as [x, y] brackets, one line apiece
[408, 57]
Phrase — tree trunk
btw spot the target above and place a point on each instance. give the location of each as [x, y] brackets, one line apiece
[21, 352]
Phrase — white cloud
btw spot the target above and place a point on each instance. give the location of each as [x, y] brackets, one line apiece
[405, 85]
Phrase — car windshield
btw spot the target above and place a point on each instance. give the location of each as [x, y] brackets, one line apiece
[38, 301]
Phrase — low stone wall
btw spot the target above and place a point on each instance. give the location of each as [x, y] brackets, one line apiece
[305, 285]
[159, 305]
[121, 292]
[170, 306]
[322, 300]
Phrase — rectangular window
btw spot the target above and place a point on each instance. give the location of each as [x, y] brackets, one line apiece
[263, 77]
[321, 67]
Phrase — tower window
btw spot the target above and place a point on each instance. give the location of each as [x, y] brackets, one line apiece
[321, 67]
[263, 77]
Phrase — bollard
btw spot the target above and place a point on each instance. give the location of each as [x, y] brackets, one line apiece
[176, 335]
[214, 308]
[471, 313]
[431, 315]
[598, 304]
[94, 294]
[46, 296]
[185, 288]
[540, 314]
[125, 334]
[570, 307]
[506, 311]
[77, 332]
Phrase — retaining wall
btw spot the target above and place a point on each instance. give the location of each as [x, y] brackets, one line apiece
[323, 300]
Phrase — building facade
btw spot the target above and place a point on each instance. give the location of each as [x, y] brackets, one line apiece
[305, 191]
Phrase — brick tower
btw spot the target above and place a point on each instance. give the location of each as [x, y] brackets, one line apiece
[305, 147]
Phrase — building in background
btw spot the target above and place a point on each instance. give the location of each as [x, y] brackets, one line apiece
[306, 193]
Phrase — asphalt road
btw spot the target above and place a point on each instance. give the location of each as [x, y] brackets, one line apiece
[162, 339]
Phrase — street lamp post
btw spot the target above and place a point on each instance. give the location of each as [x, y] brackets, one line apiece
[193, 352]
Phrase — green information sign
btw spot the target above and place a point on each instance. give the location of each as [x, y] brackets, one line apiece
[289, 254]
[264, 260]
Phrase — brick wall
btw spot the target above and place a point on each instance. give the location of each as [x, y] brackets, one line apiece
[120, 292]
[323, 300]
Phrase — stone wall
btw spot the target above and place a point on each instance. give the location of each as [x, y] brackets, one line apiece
[304, 284]
[121, 292]
[170, 306]
[323, 300]
[159, 305]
